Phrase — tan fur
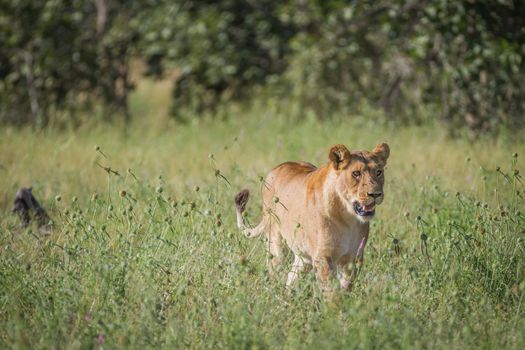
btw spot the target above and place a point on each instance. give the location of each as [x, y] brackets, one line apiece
[312, 210]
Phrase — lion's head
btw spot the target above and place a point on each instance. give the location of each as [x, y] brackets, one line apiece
[360, 178]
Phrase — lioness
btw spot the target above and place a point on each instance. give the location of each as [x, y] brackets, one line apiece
[322, 213]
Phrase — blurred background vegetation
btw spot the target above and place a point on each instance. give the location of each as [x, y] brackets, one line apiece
[461, 62]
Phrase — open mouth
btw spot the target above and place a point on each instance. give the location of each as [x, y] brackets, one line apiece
[364, 210]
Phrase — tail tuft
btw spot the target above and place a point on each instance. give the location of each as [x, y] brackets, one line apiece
[240, 205]
[241, 199]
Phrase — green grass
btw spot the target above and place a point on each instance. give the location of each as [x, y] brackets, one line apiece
[164, 266]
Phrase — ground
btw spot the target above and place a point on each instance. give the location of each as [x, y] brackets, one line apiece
[151, 258]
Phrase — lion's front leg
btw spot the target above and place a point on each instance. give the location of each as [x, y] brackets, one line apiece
[349, 273]
[325, 270]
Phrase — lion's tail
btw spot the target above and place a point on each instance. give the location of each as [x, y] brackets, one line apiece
[241, 199]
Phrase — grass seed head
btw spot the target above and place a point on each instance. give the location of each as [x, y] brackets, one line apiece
[243, 260]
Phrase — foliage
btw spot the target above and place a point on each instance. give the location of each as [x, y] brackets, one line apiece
[479, 48]
[463, 60]
[63, 55]
[220, 48]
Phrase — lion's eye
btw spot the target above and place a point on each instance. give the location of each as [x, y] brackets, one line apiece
[379, 173]
[356, 174]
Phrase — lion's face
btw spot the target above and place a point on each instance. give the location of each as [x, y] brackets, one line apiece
[360, 178]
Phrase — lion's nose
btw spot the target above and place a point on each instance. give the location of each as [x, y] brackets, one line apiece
[375, 194]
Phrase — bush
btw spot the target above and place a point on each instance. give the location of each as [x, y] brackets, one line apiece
[464, 59]
[63, 56]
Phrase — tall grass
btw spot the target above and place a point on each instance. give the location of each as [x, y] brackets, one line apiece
[150, 258]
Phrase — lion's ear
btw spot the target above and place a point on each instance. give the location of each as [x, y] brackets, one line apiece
[339, 155]
[382, 150]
